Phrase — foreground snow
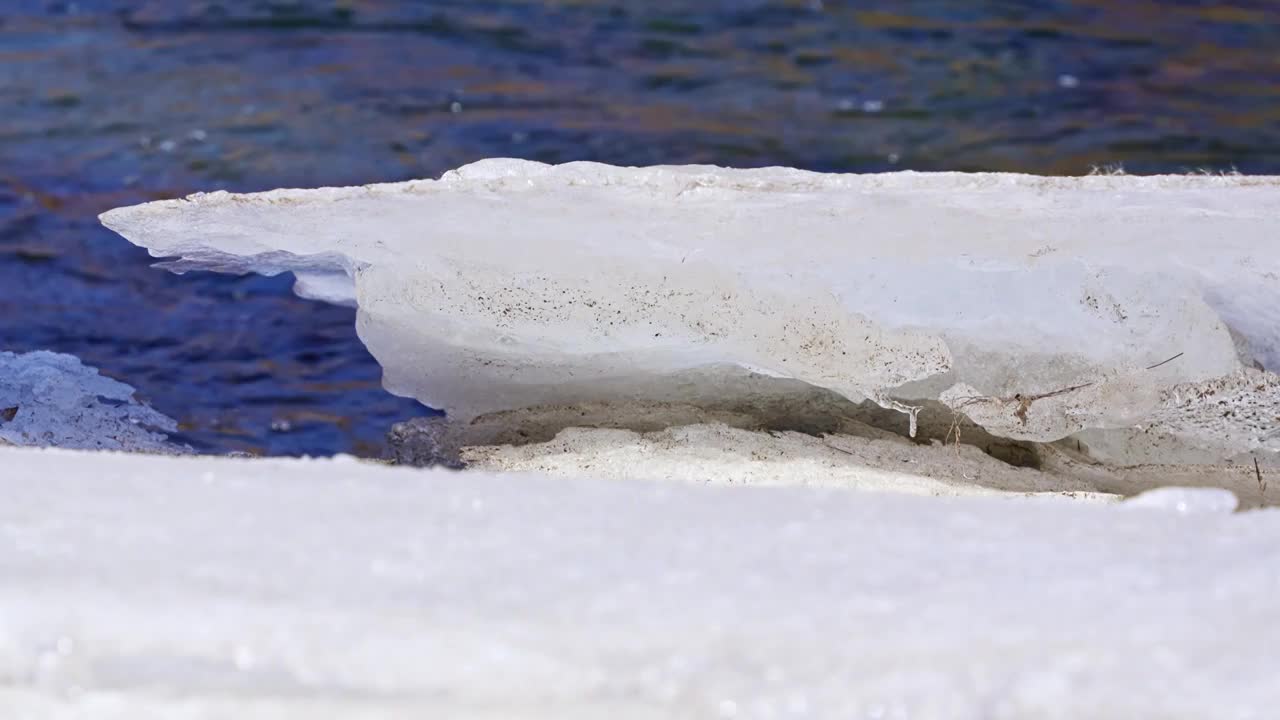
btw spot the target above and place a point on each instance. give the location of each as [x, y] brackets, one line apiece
[1038, 307]
[146, 587]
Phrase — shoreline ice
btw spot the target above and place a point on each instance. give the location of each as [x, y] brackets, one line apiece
[1039, 308]
[52, 399]
[586, 326]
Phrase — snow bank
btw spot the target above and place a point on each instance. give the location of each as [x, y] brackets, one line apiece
[1040, 307]
[146, 587]
[50, 399]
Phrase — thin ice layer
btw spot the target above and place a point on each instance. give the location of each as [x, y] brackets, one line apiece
[509, 284]
[143, 587]
[51, 399]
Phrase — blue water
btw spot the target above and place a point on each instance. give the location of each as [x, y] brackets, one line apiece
[113, 102]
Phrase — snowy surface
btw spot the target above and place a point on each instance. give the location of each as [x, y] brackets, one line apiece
[146, 587]
[723, 455]
[1034, 305]
[51, 399]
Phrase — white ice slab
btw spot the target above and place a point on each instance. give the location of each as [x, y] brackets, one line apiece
[508, 284]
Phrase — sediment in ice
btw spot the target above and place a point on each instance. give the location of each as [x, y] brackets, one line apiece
[1040, 308]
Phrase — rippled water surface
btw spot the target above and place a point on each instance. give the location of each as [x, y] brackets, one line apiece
[113, 102]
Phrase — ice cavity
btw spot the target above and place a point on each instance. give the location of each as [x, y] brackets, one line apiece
[50, 399]
[1038, 306]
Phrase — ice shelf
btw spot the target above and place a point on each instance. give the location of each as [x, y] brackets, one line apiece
[1039, 307]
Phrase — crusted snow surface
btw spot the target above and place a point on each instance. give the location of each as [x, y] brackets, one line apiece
[51, 399]
[724, 455]
[508, 284]
[159, 587]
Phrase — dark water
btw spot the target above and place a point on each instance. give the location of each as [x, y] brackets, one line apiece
[112, 102]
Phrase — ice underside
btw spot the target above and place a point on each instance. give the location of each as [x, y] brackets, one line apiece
[138, 587]
[1140, 315]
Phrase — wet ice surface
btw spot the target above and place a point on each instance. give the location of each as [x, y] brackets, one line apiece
[146, 587]
[49, 399]
[113, 102]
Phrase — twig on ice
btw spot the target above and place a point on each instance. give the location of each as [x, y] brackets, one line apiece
[912, 411]
[1162, 362]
